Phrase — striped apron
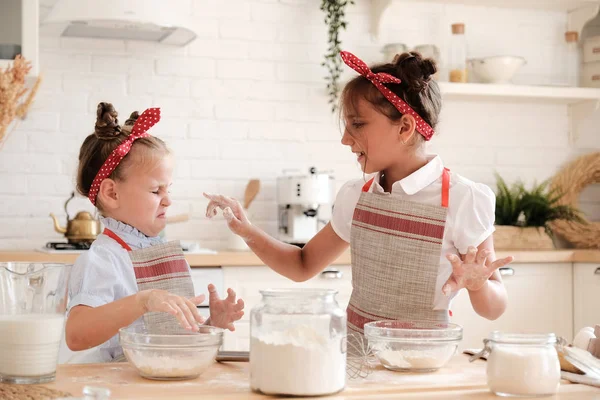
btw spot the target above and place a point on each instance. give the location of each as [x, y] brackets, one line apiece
[395, 246]
[164, 267]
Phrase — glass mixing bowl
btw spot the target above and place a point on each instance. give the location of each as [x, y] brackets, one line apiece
[414, 346]
[170, 357]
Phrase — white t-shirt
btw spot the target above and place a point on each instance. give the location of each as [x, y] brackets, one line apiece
[470, 218]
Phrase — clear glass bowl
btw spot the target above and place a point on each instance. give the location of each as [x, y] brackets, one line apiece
[413, 346]
[170, 357]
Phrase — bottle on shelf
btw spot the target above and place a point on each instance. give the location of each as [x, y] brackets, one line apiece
[573, 58]
[590, 54]
[457, 59]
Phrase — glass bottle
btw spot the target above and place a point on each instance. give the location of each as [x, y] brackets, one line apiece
[573, 58]
[457, 59]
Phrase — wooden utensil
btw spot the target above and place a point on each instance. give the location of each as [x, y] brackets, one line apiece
[178, 218]
[233, 356]
[251, 191]
[566, 365]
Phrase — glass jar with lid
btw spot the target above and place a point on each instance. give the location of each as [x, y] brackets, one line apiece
[522, 365]
[298, 343]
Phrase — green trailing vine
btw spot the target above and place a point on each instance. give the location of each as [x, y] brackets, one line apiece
[335, 21]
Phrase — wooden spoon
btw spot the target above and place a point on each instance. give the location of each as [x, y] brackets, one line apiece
[178, 218]
[251, 191]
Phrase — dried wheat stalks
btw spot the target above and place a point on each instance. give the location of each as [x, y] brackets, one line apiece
[12, 82]
[572, 180]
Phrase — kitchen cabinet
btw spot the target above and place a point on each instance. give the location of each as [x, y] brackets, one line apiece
[248, 281]
[19, 21]
[540, 300]
[201, 277]
[586, 295]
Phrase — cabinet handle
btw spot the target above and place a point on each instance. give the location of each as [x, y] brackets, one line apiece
[332, 273]
[507, 271]
[597, 271]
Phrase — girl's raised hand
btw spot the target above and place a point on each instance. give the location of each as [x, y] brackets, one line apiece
[472, 272]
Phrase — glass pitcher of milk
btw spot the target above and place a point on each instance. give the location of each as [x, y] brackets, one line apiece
[33, 300]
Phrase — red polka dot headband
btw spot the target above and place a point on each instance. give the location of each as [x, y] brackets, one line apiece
[378, 80]
[144, 122]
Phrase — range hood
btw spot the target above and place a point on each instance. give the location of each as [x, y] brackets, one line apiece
[159, 21]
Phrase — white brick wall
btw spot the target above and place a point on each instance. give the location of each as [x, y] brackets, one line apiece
[247, 99]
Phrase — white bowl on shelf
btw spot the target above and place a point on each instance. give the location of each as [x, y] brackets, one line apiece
[496, 69]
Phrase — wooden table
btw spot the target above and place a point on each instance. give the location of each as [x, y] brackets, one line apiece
[228, 381]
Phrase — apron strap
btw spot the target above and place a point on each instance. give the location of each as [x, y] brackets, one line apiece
[116, 238]
[445, 187]
[367, 185]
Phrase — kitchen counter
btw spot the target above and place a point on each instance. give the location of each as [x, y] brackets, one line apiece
[459, 380]
[245, 258]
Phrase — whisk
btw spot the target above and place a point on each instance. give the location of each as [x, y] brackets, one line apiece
[360, 358]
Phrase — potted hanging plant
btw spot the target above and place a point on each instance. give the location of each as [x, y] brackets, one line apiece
[523, 216]
[335, 21]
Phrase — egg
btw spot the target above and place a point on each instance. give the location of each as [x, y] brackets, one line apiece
[583, 337]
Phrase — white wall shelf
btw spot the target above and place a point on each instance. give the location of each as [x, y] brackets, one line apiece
[579, 11]
[581, 101]
[547, 94]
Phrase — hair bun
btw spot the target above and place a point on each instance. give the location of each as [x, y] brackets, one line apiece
[414, 71]
[429, 68]
[107, 124]
[132, 118]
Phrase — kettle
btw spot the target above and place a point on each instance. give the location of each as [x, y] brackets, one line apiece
[83, 228]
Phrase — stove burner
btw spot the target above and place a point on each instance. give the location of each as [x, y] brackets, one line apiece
[68, 246]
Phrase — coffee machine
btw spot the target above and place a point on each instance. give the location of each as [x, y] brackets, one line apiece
[305, 203]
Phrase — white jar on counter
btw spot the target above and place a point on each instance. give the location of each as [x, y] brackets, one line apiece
[298, 343]
[522, 364]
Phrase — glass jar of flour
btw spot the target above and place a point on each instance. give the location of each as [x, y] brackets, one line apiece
[298, 343]
[523, 365]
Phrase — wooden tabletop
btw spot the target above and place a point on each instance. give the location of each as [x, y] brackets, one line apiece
[245, 258]
[228, 381]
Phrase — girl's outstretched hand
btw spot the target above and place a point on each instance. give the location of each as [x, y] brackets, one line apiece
[472, 272]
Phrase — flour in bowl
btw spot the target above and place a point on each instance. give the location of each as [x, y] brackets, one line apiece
[159, 365]
[416, 359]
